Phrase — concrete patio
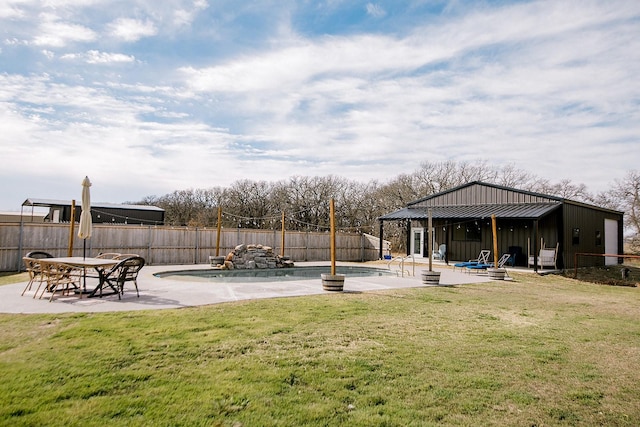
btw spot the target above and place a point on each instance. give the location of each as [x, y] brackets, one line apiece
[163, 293]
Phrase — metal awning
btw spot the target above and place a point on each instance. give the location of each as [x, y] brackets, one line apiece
[502, 211]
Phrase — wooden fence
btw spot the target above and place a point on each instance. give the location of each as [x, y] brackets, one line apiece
[174, 245]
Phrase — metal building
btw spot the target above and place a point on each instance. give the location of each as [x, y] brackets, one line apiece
[101, 213]
[526, 222]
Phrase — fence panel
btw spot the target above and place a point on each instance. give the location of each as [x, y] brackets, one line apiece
[173, 245]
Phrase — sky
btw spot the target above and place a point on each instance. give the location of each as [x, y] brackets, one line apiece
[148, 97]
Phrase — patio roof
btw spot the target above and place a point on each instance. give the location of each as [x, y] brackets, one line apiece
[502, 211]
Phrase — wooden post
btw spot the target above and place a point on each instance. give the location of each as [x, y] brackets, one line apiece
[333, 236]
[219, 227]
[282, 240]
[380, 252]
[72, 225]
[494, 227]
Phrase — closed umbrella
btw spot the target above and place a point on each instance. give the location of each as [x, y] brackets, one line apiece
[84, 232]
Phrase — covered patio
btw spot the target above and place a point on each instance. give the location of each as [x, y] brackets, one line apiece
[527, 223]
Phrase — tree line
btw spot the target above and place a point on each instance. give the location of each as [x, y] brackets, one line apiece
[305, 200]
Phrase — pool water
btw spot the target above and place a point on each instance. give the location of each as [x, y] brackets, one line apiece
[270, 275]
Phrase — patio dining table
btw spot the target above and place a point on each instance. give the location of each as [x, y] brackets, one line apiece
[98, 264]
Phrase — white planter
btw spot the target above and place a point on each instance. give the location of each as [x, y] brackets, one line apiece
[333, 282]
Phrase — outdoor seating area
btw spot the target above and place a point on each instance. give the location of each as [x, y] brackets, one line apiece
[483, 259]
[482, 263]
[75, 276]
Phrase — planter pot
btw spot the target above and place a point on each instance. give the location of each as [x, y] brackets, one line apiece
[431, 277]
[216, 260]
[496, 273]
[333, 282]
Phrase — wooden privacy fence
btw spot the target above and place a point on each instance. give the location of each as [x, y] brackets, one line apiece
[174, 245]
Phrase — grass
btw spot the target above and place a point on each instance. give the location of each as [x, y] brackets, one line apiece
[7, 278]
[537, 351]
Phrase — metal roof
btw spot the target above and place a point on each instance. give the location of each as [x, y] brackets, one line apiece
[51, 202]
[508, 211]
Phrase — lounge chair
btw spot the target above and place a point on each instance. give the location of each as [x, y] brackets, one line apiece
[480, 267]
[483, 258]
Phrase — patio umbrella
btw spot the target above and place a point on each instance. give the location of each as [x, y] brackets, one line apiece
[84, 232]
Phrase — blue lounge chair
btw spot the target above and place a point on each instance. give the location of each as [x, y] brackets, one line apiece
[483, 266]
[483, 258]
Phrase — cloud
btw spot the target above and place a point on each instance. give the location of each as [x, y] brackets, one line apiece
[237, 92]
[54, 33]
[131, 30]
[375, 10]
[96, 57]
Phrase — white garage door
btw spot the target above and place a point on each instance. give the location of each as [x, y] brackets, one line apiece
[610, 241]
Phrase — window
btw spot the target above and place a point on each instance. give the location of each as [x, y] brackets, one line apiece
[575, 240]
[598, 238]
[471, 232]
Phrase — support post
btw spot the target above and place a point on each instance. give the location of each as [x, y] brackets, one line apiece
[333, 237]
[219, 227]
[282, 240]
[380, 253]
[535, 245]
[72, 225]
[494, 227]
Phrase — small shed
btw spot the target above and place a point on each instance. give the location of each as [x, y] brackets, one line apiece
[526, 222]
[101, 213]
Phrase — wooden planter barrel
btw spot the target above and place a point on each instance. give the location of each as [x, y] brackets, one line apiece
[431, 277]
[333, 282]
[496, 273]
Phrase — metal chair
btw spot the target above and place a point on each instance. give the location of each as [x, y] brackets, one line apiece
[109, 255]
[61, 277]
[33, 267]
[125, 271]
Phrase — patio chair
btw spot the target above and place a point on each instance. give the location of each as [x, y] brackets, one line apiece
[440, 253]
[483, 258]
[547, 257]
[125, 256]
[480, 267]
[109, 255]
[33, 267]
[125, 271]
[61, 277]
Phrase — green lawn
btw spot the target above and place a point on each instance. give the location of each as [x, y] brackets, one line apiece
[540, 351]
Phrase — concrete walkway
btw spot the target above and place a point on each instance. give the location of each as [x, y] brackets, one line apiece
[162, 293]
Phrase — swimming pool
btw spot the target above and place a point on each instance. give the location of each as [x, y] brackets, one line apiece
[269, 274]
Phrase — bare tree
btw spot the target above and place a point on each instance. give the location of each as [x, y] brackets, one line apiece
[627, 194]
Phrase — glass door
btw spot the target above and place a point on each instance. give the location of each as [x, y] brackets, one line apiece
[417, 242]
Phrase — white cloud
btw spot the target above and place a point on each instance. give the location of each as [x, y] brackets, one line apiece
[548, 86]
[54, 33]
[96, 57]
[185, 16]
[375, 10]
[131, 30]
